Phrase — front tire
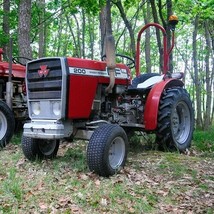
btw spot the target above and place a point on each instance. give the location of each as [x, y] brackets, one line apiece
[107, 150]
[175, 120]
[7, 124]
[40, 149]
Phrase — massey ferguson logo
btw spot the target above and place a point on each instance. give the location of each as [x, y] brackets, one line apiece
[43, 72]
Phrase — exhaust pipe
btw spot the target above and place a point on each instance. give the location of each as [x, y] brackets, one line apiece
[110, 61]
[9, 84]
[110, 48]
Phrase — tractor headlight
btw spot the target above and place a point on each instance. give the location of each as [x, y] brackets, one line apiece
[36, 108]
[56, 108]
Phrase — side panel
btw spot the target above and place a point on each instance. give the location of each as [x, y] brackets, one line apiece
[84, 76]
[152, 102]
[82, 90]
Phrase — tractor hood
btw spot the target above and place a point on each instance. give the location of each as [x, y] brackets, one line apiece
[17, 70]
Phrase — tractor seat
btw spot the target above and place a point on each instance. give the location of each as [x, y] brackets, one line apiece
[143, 83]
[150, 82]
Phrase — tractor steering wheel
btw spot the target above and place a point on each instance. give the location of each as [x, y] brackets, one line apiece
[129, 61]
[16, 60]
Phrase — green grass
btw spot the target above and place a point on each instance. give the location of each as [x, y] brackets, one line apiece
[152, 181]
[204, 140]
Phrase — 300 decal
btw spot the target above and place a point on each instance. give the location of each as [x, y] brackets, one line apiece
[79, 71]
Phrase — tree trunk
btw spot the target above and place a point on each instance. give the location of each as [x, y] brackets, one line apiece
[160, 11]
[59, 41]
[41, 28]
[83, 32]
[102, 30]
[65, 46]
[6, 26]
[212, 76]
[166, 27]
[79, 47]
[207, 118]
[91, 36]
[196, 75]
[158, 35]
[147, 16]
[75, 46]
[24, 29]
[119, 5]
[168, 32]
[186, 62]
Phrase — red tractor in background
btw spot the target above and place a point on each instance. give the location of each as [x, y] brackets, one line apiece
[97, 101]
[13, 103]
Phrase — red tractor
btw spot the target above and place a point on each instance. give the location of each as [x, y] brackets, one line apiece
[13, 103]
[96, 101]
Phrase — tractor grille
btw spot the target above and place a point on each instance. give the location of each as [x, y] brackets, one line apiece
[44, 79]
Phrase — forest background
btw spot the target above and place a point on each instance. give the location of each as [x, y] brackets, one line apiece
[78, 28]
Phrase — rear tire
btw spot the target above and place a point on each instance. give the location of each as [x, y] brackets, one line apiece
[39, 148]
[175, 120]
[7, 124]
[107, 150]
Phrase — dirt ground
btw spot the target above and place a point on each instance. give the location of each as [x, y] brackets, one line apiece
[151, 182]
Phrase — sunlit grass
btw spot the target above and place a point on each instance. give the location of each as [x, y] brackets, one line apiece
[204, 140]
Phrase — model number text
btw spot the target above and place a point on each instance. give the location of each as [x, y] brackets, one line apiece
[79, 71]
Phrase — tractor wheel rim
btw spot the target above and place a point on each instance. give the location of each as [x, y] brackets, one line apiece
[47, 147]
[3, 125]
[181, 122]
[117, 152]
